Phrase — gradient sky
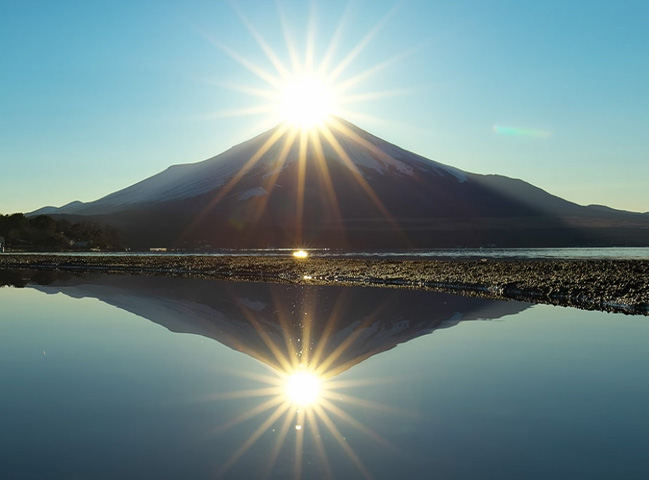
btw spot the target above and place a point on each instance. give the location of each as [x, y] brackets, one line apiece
[97, 95]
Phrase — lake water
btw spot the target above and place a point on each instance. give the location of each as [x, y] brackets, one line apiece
[594, 253]
[108, 377]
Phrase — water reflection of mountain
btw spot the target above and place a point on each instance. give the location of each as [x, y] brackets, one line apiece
[274, 322]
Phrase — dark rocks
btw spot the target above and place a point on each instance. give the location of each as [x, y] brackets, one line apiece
[611, 285]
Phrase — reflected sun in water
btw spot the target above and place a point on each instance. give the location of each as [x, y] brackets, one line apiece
[301, 405]
[303, 389]
[300, 402]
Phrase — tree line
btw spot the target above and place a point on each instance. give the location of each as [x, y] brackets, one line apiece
[43, 232]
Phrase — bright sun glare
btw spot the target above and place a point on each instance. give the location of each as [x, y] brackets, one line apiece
[310, 85]
[300, 254]
[303, 389]
[306, 94]
[306, 102]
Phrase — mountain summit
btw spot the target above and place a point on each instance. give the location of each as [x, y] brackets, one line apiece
[340, 186]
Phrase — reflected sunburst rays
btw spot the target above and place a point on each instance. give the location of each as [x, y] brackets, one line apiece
[279, 443]
[305, 340]
[368, 404]
[253, 438]
[299, 442]
[340, 413]
[327, 332]
[272, 402]
[298, 356]
[317, 440]
[291, 356]
[322, 416]
[284, 363]
[324, 368]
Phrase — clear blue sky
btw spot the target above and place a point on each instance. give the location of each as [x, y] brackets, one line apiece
[97, 95]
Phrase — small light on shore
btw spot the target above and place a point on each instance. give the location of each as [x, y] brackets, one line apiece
[307, 277]
[300, 254]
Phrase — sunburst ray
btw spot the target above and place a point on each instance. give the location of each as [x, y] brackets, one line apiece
[301, 176]
[358, 177]
[288, 38]
[328, 57]
[340, 439]
[262, 74]
[272, 402]
[368, 404]
[299, 443]
[279, 443]
[268, 51]
[271, 181]
[253, 438]
[317, 440]
[375, 69]
[321, 163]
[340, 413]
[360, 46]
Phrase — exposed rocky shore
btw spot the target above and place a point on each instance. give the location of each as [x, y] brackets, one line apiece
[610, 285]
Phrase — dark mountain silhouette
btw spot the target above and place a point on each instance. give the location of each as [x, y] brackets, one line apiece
[343, 187]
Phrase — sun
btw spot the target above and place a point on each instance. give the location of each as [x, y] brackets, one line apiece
[304, 95]
[306, 101]
[307, 86]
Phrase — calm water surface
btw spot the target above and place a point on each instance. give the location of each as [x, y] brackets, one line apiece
[619, 253]
[109, 377]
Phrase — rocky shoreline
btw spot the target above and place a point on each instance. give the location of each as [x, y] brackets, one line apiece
[608, 285]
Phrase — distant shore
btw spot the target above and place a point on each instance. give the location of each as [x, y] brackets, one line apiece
[608, 285]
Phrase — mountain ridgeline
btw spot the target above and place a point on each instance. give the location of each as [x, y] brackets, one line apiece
[342, 187]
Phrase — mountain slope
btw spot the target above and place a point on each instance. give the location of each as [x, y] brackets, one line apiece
[343, 187]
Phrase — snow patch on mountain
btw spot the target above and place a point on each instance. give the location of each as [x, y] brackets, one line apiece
[256, 305]
[375, 153]
[252, 193]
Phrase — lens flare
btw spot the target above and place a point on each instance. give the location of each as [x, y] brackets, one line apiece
[300, 254]
[521, 132]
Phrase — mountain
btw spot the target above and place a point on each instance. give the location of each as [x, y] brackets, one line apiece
[344, 187]
[332, 327]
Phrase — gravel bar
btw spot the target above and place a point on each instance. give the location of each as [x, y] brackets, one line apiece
[609, 285]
